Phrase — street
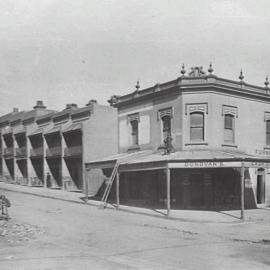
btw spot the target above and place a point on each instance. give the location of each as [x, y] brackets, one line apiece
[53, 234]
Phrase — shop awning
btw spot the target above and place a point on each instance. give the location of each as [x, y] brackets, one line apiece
[147, 160]
[72, 127]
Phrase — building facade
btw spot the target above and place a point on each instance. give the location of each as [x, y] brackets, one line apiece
[47, 148]
[203, 133]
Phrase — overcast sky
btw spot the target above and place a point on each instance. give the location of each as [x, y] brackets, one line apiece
[70, 51]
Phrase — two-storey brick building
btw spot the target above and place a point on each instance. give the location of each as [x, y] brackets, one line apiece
[48, 148]
[187, 142]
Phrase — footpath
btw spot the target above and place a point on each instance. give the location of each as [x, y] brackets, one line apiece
[232, 216]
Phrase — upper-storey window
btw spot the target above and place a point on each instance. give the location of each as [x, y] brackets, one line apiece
[229, 128]
[230, 113]
[134, 132]
[267, 132]
[196, 113]
[165, 115]
[134, 128]
[166, 126]
[196, 126]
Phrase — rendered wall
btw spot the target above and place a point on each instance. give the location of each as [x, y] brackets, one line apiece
[150, 126]
[100, 133]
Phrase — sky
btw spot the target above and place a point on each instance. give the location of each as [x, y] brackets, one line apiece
[66, 51]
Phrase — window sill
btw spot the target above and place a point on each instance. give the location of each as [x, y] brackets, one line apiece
[134, 148]
[196, 143]
[229, 145]
[266, 147]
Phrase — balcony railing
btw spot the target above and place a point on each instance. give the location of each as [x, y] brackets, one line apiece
[73, 151]
[21, 152]
[36, 152]
[9, 152]
[54, 151]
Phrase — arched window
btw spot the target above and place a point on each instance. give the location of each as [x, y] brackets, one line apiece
[229, 128]
[166, 126]
[267, 132]
[197, 126]
[134, 132]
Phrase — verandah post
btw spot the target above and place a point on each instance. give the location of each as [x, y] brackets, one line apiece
[117, 191]
[242, 190]
[168, 180]
[86, 170]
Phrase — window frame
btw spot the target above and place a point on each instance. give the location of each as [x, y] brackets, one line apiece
[267, 132]
[192, 126]
[232, 116]
[166, 130]
[134, 132]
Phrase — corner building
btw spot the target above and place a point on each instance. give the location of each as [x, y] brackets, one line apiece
[187, 143]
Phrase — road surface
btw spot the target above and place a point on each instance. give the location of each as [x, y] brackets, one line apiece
[53, 234]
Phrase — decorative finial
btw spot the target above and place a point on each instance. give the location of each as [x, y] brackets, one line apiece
[266, 83]
[183, 71]
[241, 76]
[137, 86]
[210, 69]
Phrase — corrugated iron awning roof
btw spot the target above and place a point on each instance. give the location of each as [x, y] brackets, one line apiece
[147, 157]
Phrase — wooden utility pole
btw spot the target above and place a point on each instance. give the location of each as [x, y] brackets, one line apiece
[168, 180]
[242, 190]
[117, 191]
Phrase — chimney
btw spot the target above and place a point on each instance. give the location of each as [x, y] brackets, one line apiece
[15, 110]
[71, 106]
[39, 105]
[91, 101]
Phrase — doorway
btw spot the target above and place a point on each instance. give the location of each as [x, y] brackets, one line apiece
[260, 189]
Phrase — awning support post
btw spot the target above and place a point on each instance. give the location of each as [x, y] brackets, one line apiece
[86, 183]
[168, 180]
[117, 191]
[242, 190]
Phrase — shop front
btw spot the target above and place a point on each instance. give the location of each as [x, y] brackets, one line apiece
[202, 179]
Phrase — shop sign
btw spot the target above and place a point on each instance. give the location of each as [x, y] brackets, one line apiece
[257, 164]
[262, 152]
[205, 164]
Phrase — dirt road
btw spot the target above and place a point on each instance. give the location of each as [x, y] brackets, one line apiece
[52, 234]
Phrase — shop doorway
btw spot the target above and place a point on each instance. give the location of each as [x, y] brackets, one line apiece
[260, 189]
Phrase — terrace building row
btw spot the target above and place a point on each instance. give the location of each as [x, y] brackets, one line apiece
[47, 148]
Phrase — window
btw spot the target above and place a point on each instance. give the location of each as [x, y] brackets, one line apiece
[229, 128]
[197, 126]
[166, 126]
[134, 132]
[267, 132]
